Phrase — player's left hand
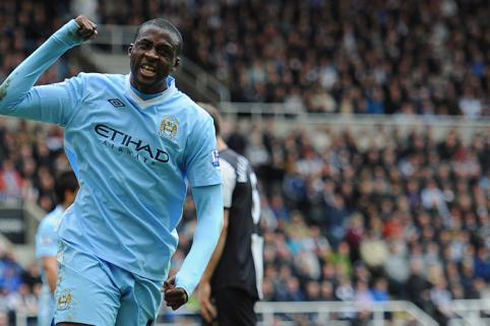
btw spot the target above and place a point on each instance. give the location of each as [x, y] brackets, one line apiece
[174, 297]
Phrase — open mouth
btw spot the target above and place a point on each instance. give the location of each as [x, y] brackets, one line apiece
[147, 70]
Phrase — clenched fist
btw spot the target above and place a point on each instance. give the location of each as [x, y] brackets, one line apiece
[174, 297]
[86, 28]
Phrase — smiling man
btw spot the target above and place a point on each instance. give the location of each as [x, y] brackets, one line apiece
[154, 55]
[135, 142]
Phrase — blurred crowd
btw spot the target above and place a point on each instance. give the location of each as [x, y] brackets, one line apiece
[384, 56]
[371, 216]
[24, 26]
[19, 288]
[359, 216]
[346, 216]
[30, 158]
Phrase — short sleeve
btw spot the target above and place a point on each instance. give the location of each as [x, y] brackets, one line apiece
[228, 176]
[202, 162]
[46, 240]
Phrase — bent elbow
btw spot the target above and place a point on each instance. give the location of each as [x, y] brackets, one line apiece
[5, 106]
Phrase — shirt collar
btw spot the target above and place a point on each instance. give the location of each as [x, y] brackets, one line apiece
[153, 99]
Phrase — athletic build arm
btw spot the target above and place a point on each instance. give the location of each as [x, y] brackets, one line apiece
[50, 266]
[228, 177]
[208, 311]
[46, 249]
[218, 251]
[19, 98]
[209, 208]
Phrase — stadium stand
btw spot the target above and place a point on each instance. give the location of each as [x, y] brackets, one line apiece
[423, 57]
[364, 219]
[372, 218]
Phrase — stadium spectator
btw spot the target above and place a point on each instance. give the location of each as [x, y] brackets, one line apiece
[429, 241]
[10, 182]
[379, 44]
[347, 57]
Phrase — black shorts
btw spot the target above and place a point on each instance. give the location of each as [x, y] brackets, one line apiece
[235, 308]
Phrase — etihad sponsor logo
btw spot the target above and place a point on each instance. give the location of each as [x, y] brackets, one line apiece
[130, 145]
[168, 127]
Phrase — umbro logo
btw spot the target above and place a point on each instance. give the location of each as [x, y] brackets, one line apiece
[117, 103]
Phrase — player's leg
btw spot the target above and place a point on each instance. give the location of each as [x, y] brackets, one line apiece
[235, 308]
[141, 299]
[86, 293]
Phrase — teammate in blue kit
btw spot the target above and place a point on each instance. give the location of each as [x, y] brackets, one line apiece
[134, 142]
[66, 188]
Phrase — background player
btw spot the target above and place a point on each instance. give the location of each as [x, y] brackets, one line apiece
[134, 141]
[233, 278]
[66, 188]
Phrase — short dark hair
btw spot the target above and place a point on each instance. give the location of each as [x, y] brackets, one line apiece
[65, 181]
[214, 113]
[163, 24]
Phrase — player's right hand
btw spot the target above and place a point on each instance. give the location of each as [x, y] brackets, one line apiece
[208, 310]
[87, 29]
[175, 297]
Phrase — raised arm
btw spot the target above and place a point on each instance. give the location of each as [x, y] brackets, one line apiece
[19, 98]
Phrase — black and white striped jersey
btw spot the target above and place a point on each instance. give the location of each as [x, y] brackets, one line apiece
[241, 264]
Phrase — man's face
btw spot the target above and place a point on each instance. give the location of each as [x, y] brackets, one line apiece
[153, 56]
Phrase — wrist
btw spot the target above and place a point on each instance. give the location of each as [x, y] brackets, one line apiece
[204, 283]
[206, 279]
[180, 284]
[67, 35]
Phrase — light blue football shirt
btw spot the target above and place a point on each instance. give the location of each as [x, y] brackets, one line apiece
[47, 246]
[133, 159]
[46, 234]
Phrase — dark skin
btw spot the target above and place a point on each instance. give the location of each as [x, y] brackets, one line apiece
[174, 297]
[157, 49]
[153, 56]
[87, 28]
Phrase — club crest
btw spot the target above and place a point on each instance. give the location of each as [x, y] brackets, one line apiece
[64, 300]
[168, 127]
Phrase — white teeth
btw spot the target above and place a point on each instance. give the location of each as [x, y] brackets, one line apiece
[147, 67]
